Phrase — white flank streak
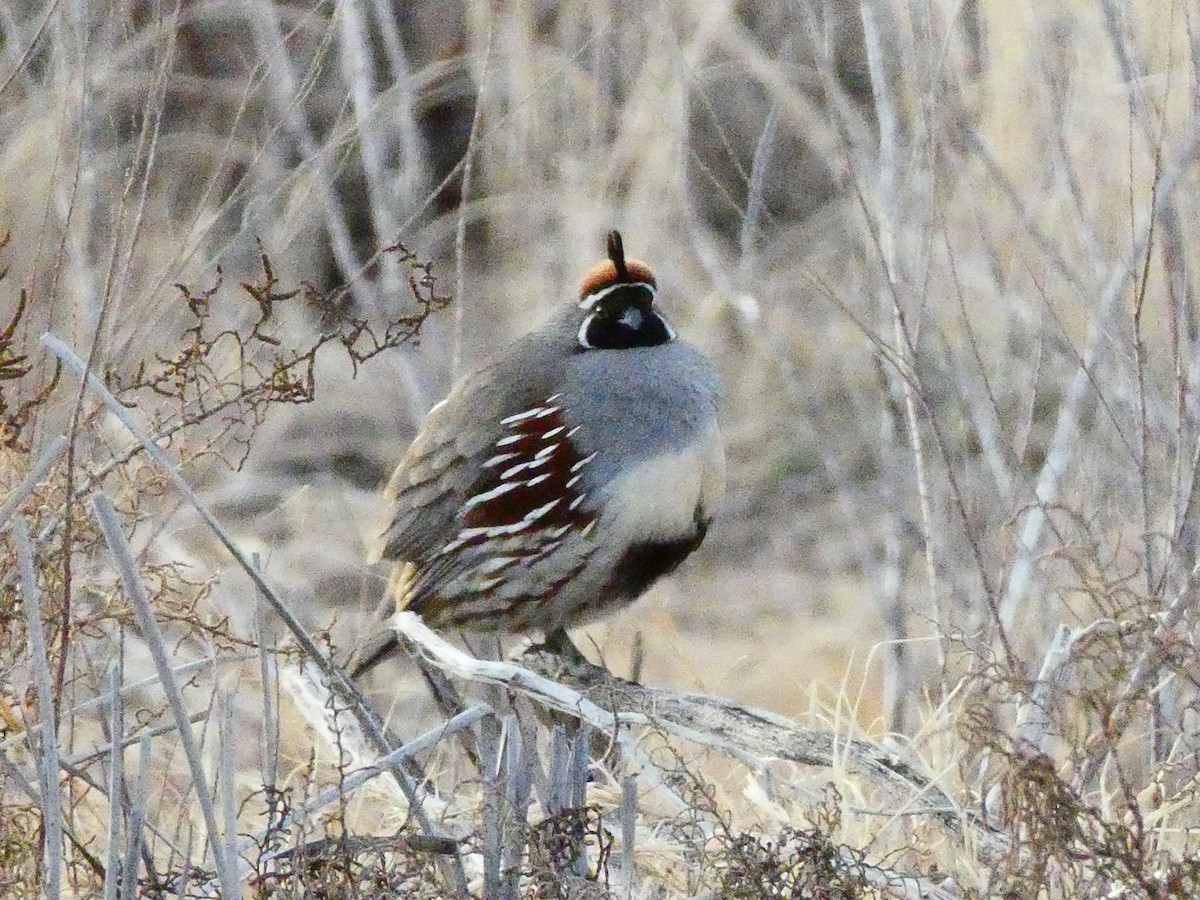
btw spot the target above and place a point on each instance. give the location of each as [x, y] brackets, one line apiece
[553, 432]
[575, 503]
[587, 529]
[500, 458]
[495, 531]
[583, 462]
[511, 439]
[548, 411]
[467, 533]
[574, 480]
[545, 550]
[556, 533]
[540, 511]
[514, 528]
[509, 473]
[496, 563]
[489, 495]
[521, 417]
[532, 464]
[455, 544]
[533, 481]
[488, 583]
[553, 397]
[571, 433]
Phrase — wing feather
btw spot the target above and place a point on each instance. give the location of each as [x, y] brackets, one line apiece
[444, 466]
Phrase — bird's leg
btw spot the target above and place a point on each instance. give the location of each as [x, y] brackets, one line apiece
[574, 663]
[560, 644]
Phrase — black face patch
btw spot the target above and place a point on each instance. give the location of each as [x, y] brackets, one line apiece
[624, 318]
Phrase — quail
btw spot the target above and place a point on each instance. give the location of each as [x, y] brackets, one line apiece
[565, 475]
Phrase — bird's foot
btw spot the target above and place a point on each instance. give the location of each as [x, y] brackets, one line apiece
[573, 664]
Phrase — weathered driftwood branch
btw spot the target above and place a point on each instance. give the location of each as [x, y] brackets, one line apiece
[753, 736]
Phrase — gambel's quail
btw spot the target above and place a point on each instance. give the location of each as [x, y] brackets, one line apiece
[564, 476]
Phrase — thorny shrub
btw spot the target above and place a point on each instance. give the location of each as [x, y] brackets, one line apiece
[207, 397]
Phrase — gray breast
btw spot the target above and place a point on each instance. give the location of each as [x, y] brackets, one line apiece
[637, 404]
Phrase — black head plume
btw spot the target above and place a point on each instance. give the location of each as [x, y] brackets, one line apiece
[616, 253]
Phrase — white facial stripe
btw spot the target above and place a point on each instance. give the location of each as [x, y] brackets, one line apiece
[590, 300]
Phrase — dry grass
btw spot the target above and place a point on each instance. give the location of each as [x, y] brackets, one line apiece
[942, 256]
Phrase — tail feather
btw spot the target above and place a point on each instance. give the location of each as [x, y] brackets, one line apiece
[382, 643]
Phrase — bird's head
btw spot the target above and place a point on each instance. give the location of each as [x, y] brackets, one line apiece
[617, 300]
